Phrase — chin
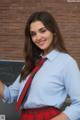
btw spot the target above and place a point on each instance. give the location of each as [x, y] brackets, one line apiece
[42, 47]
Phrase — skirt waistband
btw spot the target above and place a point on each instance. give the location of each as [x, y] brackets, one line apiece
[43, 113]
[45, 108]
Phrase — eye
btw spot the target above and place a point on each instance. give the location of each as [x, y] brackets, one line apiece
[32, 34]
[43, 30]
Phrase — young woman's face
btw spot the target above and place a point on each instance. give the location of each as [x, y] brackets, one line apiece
[41, 36]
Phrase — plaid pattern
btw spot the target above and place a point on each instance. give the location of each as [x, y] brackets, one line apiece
[45, 113]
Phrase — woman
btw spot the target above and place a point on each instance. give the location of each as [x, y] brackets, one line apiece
[58, 77]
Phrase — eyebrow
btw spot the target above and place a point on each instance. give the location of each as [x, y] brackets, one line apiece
[38, 29]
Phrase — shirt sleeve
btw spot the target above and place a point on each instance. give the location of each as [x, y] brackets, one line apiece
[72, 86]
[10, 93]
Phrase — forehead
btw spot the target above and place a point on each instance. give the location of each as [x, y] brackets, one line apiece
[36, 25]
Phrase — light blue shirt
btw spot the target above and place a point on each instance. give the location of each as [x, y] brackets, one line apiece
[58, 77]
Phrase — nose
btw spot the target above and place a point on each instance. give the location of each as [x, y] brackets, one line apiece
[38, 36]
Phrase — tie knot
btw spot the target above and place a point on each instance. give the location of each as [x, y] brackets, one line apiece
[42, 60]
[38, 66]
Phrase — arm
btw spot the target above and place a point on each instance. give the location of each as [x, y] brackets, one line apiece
[71, 78]
[9, 93]
[1, 89]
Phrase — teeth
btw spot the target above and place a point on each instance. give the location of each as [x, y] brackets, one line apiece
[41, 41]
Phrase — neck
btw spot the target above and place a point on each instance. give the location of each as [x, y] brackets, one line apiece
[47, 51]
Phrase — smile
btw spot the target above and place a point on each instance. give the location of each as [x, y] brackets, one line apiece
[41, 42]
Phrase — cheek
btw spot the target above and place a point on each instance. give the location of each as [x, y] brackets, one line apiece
[49, 35]
[33, 39]
[50, 38]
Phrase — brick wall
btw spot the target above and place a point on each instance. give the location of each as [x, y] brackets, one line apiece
[13, 16]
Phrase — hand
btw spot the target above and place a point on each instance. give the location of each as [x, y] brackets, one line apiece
[61, 116]
[1, 89]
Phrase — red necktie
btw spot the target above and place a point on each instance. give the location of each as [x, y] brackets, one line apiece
[28, 83]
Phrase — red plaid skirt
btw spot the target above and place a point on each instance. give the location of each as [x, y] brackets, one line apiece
[45, 113]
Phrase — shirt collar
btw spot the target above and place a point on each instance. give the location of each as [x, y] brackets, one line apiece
[50, 56]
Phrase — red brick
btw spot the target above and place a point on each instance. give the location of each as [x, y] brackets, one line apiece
[13, 16]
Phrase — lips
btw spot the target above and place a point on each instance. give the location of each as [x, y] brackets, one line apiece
[41, 42]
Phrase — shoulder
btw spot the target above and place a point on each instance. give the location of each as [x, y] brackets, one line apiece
[68, 61]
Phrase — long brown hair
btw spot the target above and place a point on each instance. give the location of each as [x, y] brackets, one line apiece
[31, 51]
